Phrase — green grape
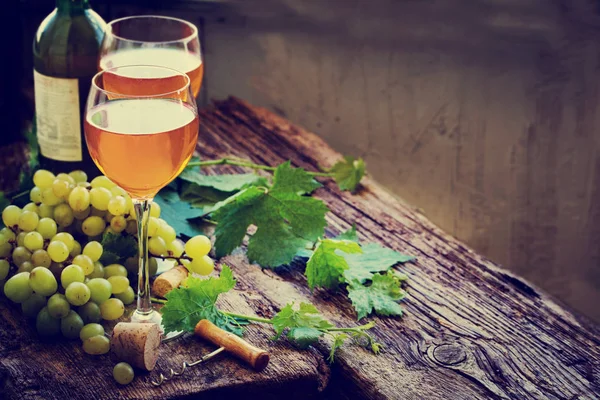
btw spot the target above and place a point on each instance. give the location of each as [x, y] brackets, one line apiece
[152, 266]
[45, 324]
[90, 312]
[132, 212]
[26, 266]
[198, 246]
[114, 270]
[100, 289]
[155, 210]
[63, 215]
[96, 345]
[61, 188]
[28, 221]
[118, 223]
[153, 225]
[32, 306]
[71, 325]
[35, 195]
[81, 215]
[127, 296]
[99, 197]
[72, 273]
[79, 199]
[123, 373]
[85, 185]
[66, 238]
[20, 255]
[93, 250]
[157, 246]
[85, 263]
[47, 228]
[132, 265]
[42, 281]
[131, 227]
[4, 269]
[78, 293]
[112, 309]
[176, 248]
[33, 241]
[66, 177]
[7, 234]
[57, 269]
[5, 249]
[129, 203]
[21, 239]
[91, 330]
[167, 233]
[97, 213]
[98, 270]
[203, 265]
[117, 205]
[119, 284]
[10, 215]
[76, 249]
[93, 226]
[40, 258]
[58, 306]
[108, 217]
[58, 251]
[31, 207]
[49, 198]
[45, 211]
[78, 176]
[117, 191]
[43, 178]
[102, 182]
[17, 287]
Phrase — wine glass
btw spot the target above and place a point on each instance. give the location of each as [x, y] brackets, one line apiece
[141, 128]
[154, 40]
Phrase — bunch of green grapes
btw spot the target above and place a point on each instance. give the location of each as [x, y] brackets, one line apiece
[50, 252]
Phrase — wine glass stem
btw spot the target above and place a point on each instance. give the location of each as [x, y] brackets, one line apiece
[142, 210]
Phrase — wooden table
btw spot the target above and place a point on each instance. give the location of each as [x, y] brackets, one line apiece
[471, 330]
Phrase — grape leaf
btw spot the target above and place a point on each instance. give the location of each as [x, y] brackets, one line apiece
[304, 325]
[326, 266]
[179, 214]
[285, 220]
[196, 300]
[348, 173]
[338, 341]
[224, 183]
[374, 258]
[350, 234]
[117, 247]
[381, 296]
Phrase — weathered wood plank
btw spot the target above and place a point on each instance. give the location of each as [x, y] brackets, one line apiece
[471, 329]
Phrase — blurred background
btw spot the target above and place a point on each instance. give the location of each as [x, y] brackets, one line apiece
[483, 114]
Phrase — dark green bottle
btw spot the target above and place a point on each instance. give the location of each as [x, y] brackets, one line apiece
[65, 56]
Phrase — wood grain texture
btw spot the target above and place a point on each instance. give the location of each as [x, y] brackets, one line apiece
[471, 330]
[484, 114]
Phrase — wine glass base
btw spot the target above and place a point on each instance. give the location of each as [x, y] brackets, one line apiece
[156, 318]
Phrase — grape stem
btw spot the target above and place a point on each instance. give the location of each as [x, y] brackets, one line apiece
[355, 329]
[248, 164]
[16, 196]
[178, 259]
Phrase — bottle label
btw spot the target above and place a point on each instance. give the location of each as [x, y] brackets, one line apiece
[57, 117]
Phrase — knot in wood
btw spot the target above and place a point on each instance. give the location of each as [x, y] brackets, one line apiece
[449, 354]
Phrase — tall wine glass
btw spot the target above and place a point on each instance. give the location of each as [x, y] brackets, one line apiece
[141, 128]
[154, 40]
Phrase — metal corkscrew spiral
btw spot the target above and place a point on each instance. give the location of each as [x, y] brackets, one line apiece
[162, 378]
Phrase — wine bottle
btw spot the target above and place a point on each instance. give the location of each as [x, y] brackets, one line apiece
[65, 55]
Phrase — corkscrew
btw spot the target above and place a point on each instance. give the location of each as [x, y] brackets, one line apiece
[255, 357]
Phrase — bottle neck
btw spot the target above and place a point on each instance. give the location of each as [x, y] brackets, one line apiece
[72, 6]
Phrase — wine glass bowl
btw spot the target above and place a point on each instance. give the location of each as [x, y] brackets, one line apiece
[154, 40]
[141, 128]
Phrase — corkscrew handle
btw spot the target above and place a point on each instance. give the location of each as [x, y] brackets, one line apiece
[255, 357]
